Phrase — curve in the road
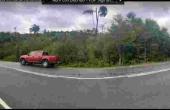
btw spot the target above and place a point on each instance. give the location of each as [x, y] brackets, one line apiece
[68, 77]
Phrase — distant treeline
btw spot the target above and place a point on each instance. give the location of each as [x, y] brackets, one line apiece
[130, 40]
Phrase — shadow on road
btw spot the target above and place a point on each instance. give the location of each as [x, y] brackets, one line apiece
[40, 66]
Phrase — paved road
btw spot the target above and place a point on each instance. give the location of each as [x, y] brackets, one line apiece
[21, 90]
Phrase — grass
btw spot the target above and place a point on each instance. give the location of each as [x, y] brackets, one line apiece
[112, 66]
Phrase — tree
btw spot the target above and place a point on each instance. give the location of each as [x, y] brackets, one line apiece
[35, 29]
[101, 12]
[131, 15]
[119, 31]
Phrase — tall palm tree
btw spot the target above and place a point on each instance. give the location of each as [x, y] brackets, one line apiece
[101, 12]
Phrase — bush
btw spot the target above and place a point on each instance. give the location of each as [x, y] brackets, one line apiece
[10, 58]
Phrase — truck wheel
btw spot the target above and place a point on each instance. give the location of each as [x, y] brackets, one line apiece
[52, 65]
[45, 63]
[23, 62]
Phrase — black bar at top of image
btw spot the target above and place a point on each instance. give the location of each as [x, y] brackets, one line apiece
[146, 0]
[82, 2]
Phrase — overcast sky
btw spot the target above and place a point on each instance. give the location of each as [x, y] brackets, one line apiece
[70, 17]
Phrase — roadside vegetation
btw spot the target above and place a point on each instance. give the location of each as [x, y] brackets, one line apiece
[130, 40]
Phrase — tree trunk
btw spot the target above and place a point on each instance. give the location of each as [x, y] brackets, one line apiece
[120, 59]
[120, 54]
[97, 21]
[145, 52]
[17, 53]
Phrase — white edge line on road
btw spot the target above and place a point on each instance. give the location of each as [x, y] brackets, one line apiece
[68, 77]
[4, 105]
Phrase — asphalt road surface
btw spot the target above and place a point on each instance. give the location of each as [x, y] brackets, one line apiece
[40, 90]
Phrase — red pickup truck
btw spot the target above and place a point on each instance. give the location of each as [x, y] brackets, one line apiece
[39, 57]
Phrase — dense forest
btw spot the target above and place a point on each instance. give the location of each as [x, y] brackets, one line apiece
[129, 40]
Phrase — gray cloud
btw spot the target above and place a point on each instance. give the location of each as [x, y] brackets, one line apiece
[70, 17]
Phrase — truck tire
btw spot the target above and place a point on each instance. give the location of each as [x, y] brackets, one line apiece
[52, 65]
[45, 63]
[23, 62]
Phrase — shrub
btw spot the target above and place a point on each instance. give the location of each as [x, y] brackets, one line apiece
[10, 58]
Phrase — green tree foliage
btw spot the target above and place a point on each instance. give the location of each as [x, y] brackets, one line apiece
[35, 29]
[143, 40]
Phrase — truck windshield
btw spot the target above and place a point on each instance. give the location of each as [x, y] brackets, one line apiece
[45, 53]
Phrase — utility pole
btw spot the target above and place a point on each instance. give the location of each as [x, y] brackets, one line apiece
[16, 44]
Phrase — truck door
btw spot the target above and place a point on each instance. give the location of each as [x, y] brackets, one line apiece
[31, 57]
[38, 57]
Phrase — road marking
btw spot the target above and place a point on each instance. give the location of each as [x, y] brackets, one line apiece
[4, 105]
[68, 77]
